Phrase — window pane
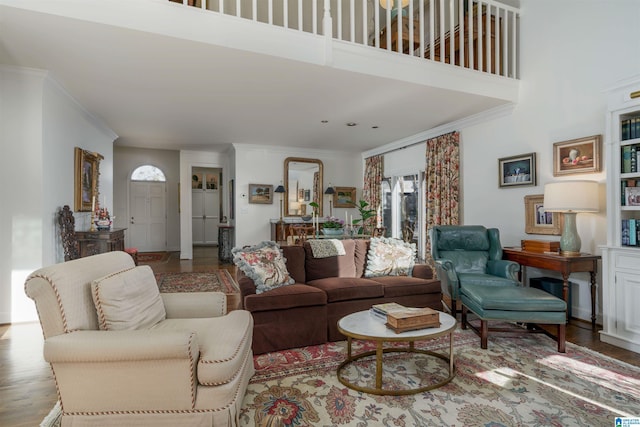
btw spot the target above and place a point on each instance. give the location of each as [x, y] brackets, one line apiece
[408, 198]
[148, 173]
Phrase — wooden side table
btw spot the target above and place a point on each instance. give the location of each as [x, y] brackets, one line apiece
[100, 241]
[565, 265]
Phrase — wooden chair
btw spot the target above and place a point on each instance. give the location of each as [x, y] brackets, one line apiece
[68, 234]
[300, 232]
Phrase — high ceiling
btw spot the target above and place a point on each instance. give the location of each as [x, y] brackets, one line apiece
[160, 91]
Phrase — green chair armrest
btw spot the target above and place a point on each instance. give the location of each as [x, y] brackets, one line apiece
[448, 278]
[503, 268]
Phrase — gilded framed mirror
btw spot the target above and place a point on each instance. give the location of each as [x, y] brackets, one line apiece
[303, 184]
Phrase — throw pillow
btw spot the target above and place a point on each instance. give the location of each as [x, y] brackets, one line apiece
[390, 257]
[264, 264]
[129, 299]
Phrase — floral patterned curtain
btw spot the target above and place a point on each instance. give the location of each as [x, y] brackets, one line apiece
[372, 191]
[317, 191]
[443, 183]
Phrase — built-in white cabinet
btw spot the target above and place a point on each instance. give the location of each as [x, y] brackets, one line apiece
[621, 255]
[205, 208]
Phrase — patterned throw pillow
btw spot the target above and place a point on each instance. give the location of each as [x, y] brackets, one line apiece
[264, 264]
[390, 257]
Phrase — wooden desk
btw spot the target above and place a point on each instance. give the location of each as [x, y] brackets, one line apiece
[560, 263]
[100, 241]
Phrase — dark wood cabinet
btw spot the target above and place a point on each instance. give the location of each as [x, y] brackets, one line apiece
[100, 241]
[225, 243]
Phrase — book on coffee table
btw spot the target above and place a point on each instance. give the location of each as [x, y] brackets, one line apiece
[387, 307]
[412, 318]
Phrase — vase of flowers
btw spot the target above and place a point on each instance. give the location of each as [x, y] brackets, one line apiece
[332, 226]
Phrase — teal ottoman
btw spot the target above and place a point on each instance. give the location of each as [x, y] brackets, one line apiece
[513, 304]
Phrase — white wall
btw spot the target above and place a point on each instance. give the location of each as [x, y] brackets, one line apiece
[39, 127]
[265, 165]
[126, 160]
[567, 63]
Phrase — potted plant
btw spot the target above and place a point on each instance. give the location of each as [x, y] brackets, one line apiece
[365, 214]
[332, 226]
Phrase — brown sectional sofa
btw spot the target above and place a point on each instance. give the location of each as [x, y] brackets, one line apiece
[326, 289]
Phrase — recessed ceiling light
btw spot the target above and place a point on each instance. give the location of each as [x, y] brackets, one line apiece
[324, 121]
[351, 124]
[374, 127]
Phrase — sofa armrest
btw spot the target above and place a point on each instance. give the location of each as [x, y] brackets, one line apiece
[190, 305]
[422, 271]
[118, 346]
[448, 277]
[141, 370]
[503, 268]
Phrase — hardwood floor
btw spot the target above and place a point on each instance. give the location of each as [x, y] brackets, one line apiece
[27, 389]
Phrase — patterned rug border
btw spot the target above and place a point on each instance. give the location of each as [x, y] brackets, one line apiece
[201, 282]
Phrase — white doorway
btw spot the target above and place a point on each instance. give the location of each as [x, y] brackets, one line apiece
[205, 206]
[148, 211]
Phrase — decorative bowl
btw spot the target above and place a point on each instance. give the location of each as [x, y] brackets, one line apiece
[333, 231]
[306, 218]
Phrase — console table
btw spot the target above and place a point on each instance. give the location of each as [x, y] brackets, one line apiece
[100, 241]
[560, 263]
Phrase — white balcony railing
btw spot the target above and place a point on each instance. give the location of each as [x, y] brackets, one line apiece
[477, 34]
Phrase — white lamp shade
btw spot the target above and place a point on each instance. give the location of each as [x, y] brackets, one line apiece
[571, 196]
[390, 4]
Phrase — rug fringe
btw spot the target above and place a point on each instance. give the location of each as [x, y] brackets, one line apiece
[53, 417]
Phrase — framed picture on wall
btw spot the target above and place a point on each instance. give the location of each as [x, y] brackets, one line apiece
[260, 193]
[580, 155]
[517, 170]
[537, 221]
[87, 171]
[344, 197]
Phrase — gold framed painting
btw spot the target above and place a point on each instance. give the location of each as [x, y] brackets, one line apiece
[261, 193]
[580, 155]
[537, 221]
[87, 173]
[344, 197]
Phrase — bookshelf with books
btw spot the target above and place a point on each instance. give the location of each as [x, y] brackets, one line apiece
[621, 254]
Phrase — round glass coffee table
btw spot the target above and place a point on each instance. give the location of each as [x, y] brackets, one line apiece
[364, 325]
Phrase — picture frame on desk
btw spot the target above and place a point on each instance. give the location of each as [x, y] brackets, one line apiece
[517, 170]
[537, 221]
[582, 155]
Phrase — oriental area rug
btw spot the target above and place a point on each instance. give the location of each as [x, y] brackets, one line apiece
[215, 281]
[153, 257]
[518, 381]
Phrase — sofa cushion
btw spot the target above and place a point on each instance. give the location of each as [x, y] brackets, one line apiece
[399, 286]
[224, 343]
[296, 295]
[348, 288]
[390, 257]
[128, 299]
[294, 256]
[362, 249]
[335, 266]
[264, 264]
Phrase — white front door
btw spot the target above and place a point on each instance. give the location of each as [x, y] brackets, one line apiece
[148, 222]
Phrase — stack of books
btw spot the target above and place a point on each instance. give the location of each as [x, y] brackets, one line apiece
[402, 319]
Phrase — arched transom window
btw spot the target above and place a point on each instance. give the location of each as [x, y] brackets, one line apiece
[148, 173]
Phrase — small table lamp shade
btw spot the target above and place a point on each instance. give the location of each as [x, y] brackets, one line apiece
[571, 197]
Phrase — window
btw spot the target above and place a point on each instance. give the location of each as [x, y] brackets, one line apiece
[402, 204]
[148, 173]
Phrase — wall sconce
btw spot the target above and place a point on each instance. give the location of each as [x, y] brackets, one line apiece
[330, 191]
[571, 197]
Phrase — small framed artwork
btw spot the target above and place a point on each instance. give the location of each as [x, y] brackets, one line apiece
[260, 193]
[307, 195]
[232, 199]
[631, 196]
[87, 171]
[344, 197]
[537, 221]
[517, 170]
[580, 155]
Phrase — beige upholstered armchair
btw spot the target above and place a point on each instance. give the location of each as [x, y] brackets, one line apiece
[124, 354]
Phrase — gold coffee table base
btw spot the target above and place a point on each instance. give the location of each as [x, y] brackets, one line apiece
[370, 331]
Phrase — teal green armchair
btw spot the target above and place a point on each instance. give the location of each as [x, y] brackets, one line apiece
[469, 255]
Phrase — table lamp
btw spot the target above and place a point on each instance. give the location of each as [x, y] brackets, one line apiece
[571, 197]
[330, 191]
[280, 189]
